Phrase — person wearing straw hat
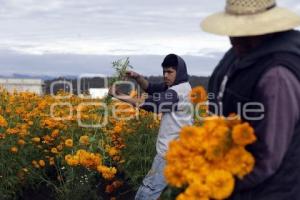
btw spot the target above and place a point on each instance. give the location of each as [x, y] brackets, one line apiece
[261, 75]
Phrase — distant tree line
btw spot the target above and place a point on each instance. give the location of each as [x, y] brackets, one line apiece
[66, 84]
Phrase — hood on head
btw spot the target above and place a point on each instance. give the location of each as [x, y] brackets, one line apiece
[179, 65]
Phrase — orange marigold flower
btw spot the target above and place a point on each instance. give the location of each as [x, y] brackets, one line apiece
[54, 150]
[2, 136]
[47, 139]
[174, 173]
[55, 133]
[196, 190]
[108, 173]
[75, 160]
[69, 143]
[42, 163]
[109, 189]
[14, 149]
[84, 140]
[198, 95]
[212, 122]
[3, 122]
[36, 139]
[239, 161]
[12, 131]
[192, 137]
[21, 142]
[243, 134]
[72, 160]
[35, 164]
[112, 151]
[117, 129]
[220, 183]
[68, 157]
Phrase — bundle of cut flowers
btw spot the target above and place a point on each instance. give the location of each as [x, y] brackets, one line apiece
[206, 158]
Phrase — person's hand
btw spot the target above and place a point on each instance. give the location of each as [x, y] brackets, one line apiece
[132, 74]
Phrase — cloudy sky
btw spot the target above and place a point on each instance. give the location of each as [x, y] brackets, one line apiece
[71, 37]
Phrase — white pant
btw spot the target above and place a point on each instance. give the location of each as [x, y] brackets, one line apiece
[154, 182]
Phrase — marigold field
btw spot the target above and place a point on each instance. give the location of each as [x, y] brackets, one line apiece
[52, 148]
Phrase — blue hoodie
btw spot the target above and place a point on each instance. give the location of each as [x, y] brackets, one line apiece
[160, 96]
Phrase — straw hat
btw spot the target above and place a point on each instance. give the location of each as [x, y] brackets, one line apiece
[249, 18]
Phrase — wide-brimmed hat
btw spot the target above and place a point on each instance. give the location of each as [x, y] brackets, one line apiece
[250, 18]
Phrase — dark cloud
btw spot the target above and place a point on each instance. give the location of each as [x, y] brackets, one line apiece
[72, 64]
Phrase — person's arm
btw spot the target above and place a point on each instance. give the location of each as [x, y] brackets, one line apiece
[123, 97]
[139, 79]
[279, 91]
[149, 88]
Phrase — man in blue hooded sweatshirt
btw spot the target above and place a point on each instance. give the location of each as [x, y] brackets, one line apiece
[171, 98]
[261, 73]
